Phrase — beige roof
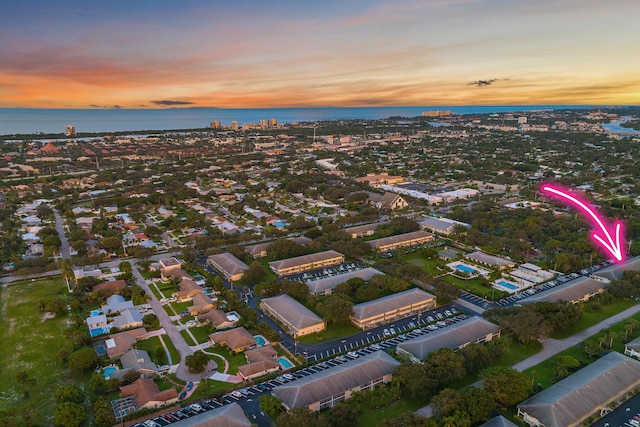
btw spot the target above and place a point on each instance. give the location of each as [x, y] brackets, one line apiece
[122, 342]
[364, 228]
[292, 311]
[257, 367]
[114, 286]
[215, 317]
[228, 263]
[378, 306]
[453, 336]
[260, 353]
[304, 259]
[400, 238]
[225, 416]
[330, 382]
[569, 291]
[256, 249]
[571, 400]
[486, 258]
[145, 390]
[234, 338]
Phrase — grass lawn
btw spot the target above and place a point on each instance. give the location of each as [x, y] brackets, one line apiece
[175, 355]
[331, 333]
[187, 337]
[593, 318]
[382, 404]
[210, 388]
[201, 333]
[234, 360]
[167, 289]
[476, 287]
[180, 306]
[149, 345]
[428, 265]
[31, 344]
[155, 292]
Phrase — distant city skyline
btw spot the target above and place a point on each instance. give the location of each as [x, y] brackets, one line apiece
[262, 54]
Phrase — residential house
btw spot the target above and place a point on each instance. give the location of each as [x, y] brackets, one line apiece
[128, 318]
[138, 361]
[391, 243]
[593, 390]
[237, 339]
[471, 330]
[147, 394]
[112, 287]
[299, 264]
[201, 304]
[387, 309]
[231, 267]
[115, 304]
[258, 369]
[295, 318]
[118, 344]
[217, 318]
[330, 386]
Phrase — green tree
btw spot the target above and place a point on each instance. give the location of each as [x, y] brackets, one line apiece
[255, 272]
[69, 414]
[69, 393]
[125, 267]
[297, 417]
[445, 366]
[196, 362]
[25, 382]
[343, 415]
[111, 244]
[83, 359]
[271, 405]
[103, 413]
[408, 420]
[478, 403]
[506, 386]
[336, 308]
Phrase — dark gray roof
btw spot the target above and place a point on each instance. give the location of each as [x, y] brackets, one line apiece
[615, 271]
[364, 228]
[437, 224]
[382, 305]
[304, 259]
[228, 263]
[226, 416]
[569, 291]
[295, 313]
[320, 285]
[400, 238]
[330, 382]
[499, 421]
[574, 398]
[453, 336]
[633, 344]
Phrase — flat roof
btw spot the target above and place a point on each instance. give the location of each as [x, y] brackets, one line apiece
[400, 238]
[228, 263]
[453, 336]
[292, 311]
[304, 259]
[382, 305]
[614, 272]
[569, 291]
[320, 285]
[335, 380]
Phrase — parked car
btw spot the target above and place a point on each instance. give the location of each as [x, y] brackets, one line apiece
[189, 385]
[236, 393]
[386, 332]
[352, 354]
[182, 395]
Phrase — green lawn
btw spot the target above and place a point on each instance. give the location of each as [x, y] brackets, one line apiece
[331, 333]
[167, 289]
[476, 287]
[155, 292]
[175, 355]
[234, 360]
[149, 345]
[201, 333]
[428, 265]
[593, 318]
[187, 337]
[32, 344]
[210, 388]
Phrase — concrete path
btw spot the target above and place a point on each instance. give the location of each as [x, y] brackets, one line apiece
[551, 346]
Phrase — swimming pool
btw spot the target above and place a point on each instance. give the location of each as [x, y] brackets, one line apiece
[260, 340]
[284, 362]
[507, 285]
[108, 371]
[465, 269]
[99, 331]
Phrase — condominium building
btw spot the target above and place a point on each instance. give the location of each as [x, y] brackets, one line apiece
[391, 243]
[295, 318]
[299, 264]
[387, 309]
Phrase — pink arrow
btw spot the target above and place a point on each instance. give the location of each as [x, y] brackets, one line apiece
[604, 239]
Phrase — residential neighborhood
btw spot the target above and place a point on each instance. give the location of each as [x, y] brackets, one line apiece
[376, 272]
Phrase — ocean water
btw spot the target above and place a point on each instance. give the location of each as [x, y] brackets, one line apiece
[39, 120]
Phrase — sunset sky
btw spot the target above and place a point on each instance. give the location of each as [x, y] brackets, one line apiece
[236, 54]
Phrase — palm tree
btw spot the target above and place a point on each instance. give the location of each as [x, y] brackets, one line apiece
[612, 335]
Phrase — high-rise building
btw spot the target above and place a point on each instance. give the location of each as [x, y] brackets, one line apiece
[215, 125]
[234, 125]
[263, 123]
[273, 122]
[70, 130]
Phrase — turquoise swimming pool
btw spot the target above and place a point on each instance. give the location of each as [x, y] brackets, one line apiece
[465, 269]
[507, 285]
[260, 340]
[108, 371]
[284, 362]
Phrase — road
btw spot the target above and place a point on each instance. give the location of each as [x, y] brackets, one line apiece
[65, 252]
[551, 347]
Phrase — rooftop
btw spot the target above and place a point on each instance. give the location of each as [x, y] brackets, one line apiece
[304, 259]
[320, 285]
[569, 291]
[228, 263]
[292, 311]
[392, 302]
[399, 238]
